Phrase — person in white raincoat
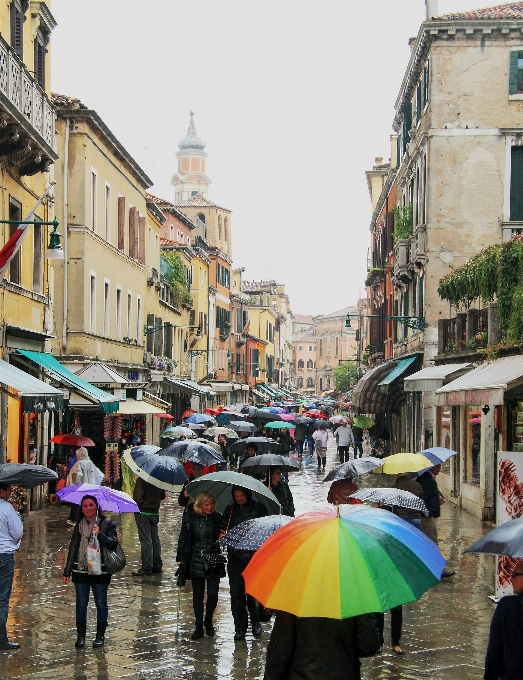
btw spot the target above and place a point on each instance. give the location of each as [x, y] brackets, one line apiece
[84, 471]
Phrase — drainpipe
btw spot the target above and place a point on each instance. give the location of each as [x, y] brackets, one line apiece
[65, 227]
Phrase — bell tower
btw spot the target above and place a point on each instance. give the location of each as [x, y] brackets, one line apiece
[190, 180]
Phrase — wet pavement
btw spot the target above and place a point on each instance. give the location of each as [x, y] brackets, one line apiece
[444, 634]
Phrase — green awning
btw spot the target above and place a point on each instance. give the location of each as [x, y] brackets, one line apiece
[267, 388]
[397, 371]
[108, 402]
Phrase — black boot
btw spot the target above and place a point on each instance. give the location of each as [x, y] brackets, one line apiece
[198, 631]
[209, 628]
[100, 634]
[81, 627]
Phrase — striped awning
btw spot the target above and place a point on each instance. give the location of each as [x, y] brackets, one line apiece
[367, 396]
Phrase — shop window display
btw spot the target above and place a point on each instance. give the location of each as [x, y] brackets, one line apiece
[472, 457]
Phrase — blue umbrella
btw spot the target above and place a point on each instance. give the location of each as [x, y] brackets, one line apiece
[195, 451]
[199, 418]
[438, 454]
[163, 472]
[250, 410]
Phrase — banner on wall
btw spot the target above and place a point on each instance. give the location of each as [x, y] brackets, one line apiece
[509, 506]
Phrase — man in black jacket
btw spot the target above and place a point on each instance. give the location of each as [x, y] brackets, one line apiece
[241, 509]
[318, 648]
[148, 498]
[433, 500]
[504, 659]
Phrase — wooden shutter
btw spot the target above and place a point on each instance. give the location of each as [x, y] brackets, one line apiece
[133, 233]
[158, 338]
[17, 31]
[516, 184]
[141, 242]
[168, 340]
[426, 73]
[407, 121]
[418, 101]
[150, 336]
[121, 223]
[513, 73]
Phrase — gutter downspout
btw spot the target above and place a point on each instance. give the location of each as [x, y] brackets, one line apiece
[65, 229]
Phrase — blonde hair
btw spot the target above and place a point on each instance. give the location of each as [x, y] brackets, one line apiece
[201, 499]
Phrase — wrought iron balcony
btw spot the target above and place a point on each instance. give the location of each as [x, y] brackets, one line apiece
[27, 120]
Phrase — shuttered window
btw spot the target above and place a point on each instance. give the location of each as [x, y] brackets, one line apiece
[255, 363]
[516, 184]
[17, 28]
[515, 79]
[39, 61]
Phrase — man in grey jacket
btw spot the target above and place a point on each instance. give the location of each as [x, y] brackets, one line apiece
[11, 531]
[345, 439]
[148, 497]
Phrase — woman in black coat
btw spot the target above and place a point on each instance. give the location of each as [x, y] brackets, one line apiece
[281, 490]
[200, 531]
[91, 521]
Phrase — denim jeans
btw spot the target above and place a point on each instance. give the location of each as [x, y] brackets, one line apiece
[149, 541]
[100, 599]
[299, 447]
[415, 521]
[7, 572]
[310, 442]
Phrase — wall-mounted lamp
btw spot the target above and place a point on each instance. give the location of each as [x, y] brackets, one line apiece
[486, 409]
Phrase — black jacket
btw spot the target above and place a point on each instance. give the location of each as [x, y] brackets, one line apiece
[147, 496]
[284, 496]
[286, 444]
[106, 536]
[235, 514]
[319, 648]
[504, 659]
[431, 494]
[198, 535]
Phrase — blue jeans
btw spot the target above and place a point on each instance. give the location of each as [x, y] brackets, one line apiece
[7, 572]
[299, 447]
[415, 521]
[100, 599]
[310, 442]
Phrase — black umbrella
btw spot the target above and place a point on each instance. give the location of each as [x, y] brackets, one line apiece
[195, 451]
[249, 410]
[391, 497]
[250, 535]
[303, 420]
[353, 468]
[242, 427]
[263, 444]
[23, 474]
[258, 464]
[267, 416]
[507, 539]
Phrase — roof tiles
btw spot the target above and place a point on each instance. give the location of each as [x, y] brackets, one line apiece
[511, 10]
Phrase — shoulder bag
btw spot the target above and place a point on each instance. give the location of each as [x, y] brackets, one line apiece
[114, 560]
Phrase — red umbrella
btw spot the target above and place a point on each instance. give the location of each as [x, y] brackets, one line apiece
[187, 413]
[165, 416]
[72, 440]
[316, 413]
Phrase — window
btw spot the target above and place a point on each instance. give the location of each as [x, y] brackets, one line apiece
[118, 313]
[300, 382]
[337, 347]
[150, 248]
[255, 363]
[310, 382]
[194, 193]
[310, 364]
[310, 348]
[223, 275]
[92, 308]
[121, 223]
[226, 229]
[106, 309]
[320, 351]
[238, 362]
[139, 320]
[17, 17]
[93, 199]
[129, 314]
[222, 319]
[301, 363]
[15, 266]
[269, 332]
[516, 184]
[107, 212]
[321, 384]
[300, 348]
[37, 257]
[39, 59]
[515, 81]
[219, 227]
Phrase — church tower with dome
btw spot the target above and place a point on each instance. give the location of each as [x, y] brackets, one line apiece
[190, 180]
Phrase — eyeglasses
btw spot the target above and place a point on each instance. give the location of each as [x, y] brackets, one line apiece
[514, 574]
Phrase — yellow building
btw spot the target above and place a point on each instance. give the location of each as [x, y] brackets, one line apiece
[27, 150]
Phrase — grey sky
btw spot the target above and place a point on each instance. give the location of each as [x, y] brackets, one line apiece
[294, 100]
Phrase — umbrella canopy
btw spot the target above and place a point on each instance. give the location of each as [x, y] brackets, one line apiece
[316, 413]
[267, 415]
[271, 409]
[196, 427]
[281, 425]
[262, 463]
[353, 468]
[392, 497]
[213, 445]
[108, 499]
[28, 476]
[338, 419]
[215, 431]
[165, 416]
[367, 560]
[288, 416]
[199, 418]
[364, 422]
[404, 462]
[71, 440]
[220, 485]
[195, 451]
[249, 410]
[243, 427]
[178, 431]
[438, 454]
[303, 420]
[161, 471]
[250, 535]
[263, 444]
[507, 539]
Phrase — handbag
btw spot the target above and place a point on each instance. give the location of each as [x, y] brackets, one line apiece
[214, 559]
[114, 560]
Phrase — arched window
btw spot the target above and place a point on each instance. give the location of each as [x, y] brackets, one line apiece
[310, 363]
[219, 227]
[201, 217]
[226, 229]
[310, 382]
[301, 363]
[300, 382]
[328, 383]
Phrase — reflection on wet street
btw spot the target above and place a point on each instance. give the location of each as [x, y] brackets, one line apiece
[444, 634]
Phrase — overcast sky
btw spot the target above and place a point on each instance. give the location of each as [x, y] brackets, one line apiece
[294, 100]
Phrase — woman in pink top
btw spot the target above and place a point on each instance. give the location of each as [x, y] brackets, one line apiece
[321, 437]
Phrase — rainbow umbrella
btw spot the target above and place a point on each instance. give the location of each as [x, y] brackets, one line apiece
[343, 562]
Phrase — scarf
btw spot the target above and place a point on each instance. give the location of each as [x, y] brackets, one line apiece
[86, 529]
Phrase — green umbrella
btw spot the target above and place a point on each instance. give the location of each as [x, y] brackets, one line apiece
[220, 485]
[281, 424]
[364, 422]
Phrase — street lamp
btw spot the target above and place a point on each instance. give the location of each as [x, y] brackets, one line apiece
[148, 330]
[417, 323]
[54, 249]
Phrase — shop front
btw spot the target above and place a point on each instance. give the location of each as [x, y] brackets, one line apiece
[186, 394]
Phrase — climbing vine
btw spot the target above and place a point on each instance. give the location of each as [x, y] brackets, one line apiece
[494, 273]
[402, 221]
[175, 273]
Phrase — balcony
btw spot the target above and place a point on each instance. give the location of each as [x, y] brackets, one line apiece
[401, 271]
[27, 127]
[510, 229]
[469, 333]
[241, 339]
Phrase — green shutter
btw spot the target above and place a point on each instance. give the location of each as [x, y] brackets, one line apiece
[513, 73]
[408, 121]
[516, 184]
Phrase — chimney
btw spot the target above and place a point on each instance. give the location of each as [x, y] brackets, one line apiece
[378, 161]
[431, 7]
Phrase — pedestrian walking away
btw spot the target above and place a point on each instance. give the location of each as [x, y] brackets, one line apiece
[11, 531]
[299, 435]
[91, 522]
[84, 471]
[345, 440]
[504, 659]
[197, 471]
[357, 433]
[148, 498]
[321, 438]
[197, 557]
[433, 500]
[281, 490]
[242, 508]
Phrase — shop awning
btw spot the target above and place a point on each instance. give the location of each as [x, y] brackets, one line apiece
[259, 393]
[133, 407]
[36, 395]
[395, 374]
[102, 374]
[432, 378]
[59, 373]
[221, 386]
[486, 384]
[190, 386]
[267, 389]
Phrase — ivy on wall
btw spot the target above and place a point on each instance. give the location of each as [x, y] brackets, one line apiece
[175, 273]
[494, 273]
[402, 221]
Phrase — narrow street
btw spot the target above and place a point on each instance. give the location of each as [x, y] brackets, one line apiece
[444, 635]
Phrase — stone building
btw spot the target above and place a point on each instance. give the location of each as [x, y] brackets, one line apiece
[191, 180]
[304, 361]
[335, 343]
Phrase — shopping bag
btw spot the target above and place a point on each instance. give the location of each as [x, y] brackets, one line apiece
[94, 557]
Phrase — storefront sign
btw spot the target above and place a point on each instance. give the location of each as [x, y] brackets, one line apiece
[509, 506]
